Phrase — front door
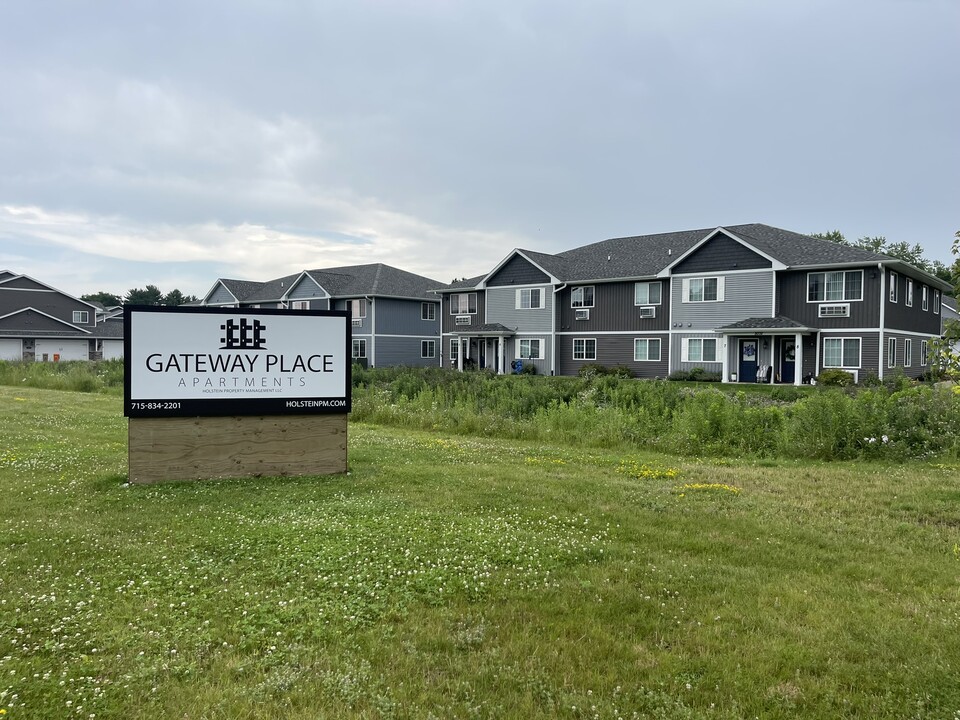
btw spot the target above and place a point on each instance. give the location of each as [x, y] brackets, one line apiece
[747, 370]
[788, 360]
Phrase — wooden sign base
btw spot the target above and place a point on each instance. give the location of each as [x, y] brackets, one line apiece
[204, 448]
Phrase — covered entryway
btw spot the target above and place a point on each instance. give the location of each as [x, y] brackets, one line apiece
[766, 350]
[483, 348]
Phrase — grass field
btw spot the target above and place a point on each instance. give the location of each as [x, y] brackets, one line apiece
[469, 578]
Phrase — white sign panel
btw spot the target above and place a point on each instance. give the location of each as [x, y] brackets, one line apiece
[216, 361]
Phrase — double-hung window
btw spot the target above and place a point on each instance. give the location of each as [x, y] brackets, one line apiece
[839, 286]
[581, 297]
[646, 293]
[709, 289]
[908, 298]
[358, 309]
[645, 349]
[841, 352]
[454, 351]
[530, 349]
[907, 352]
[891, 352]
[428, 348]
[925, 298]
[359, 349]
[463, 304]
[894, 280]
[428, 311]
[529, 299]
[699, 350]
[300, 305]
[936, 302]
[584, 349]
[923, 353]
[81, 316]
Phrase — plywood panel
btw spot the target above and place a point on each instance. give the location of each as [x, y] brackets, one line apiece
[216, 447]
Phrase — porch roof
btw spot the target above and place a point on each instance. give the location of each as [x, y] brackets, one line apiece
[766, 326]
[488, 329]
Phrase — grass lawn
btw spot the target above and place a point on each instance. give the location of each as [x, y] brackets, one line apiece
[463, 578]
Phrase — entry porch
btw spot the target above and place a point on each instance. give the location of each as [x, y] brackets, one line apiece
[774, 350]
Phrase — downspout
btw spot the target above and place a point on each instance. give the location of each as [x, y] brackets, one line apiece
[553, 330]
[883, 307]
[373, 330]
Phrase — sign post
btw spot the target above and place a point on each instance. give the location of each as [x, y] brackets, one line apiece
[225, 392]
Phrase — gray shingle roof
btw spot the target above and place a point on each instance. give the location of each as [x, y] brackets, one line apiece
[779, 322]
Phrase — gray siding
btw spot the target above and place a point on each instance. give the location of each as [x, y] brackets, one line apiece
[915, 370]
[613, 310]
[869, 351]
[25, 283]
[900, 317]
[518, 271]
[721, 253]
[746, 295]
[613, 350]
[676, 352]
[403, 351]
[449, 321]
[402, 317]
[46, 301]
[221, 295]
[306, 289]
[792, 302]
[512, 347]
[501, 308]
[366, 324]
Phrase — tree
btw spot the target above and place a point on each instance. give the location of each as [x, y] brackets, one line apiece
[175, 297]
[104, 298]
[151, 295]
[912, 254]
[833, 236]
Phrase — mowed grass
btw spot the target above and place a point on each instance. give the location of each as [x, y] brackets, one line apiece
[464, 578]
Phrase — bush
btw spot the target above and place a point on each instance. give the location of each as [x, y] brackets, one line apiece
[835, 377]
[591, 370]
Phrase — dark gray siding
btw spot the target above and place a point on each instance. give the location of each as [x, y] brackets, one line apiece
[613, 310]
[221, 295]
[449, 321]
[25, 283]
[50, 302]
[613, 350]
[869, 351]
[901, 317]
[518, 271]
[306, 289]
[719, 254]
[915, 369]
[404, 351]
[792, 302]
[402, 317]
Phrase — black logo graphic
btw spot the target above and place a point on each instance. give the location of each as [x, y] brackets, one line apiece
[243, 336]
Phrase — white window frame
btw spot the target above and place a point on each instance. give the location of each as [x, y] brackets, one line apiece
[925, 298]
[936, 302]
[833, 310]
[519, 348]
[461, 297]
[842, 341]
[358, 308]
[428, 311]
[647, 342]
[894, 292]
[81, 317]
[454, 351]
[428, 348]
[908, 352]
[685, 350]
[582, 291]
[843, 297]
[891, 352]
[585, 345]
[908, 299]
[924, 349]
[637, 300]
[299, 304]
[525, 297]
[688, 292]
[359, 349]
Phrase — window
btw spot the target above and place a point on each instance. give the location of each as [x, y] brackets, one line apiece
[646, 349]
[936, 302]
[835, 286]
[891, 352]
[358, 309]
[908, 300]
[359, 349]
[584, 349]
[923, 353]
[699, 350]
[463, 304]
[841, 352]
[428, 311]
[81, 316]
[907, 352]
[893, 287]
[529, 299]
[646, 293]
[529, 349]
[428, 348]
[703, 290]
[454, 351]
[925, 298]
[582, 297]
[300, 305]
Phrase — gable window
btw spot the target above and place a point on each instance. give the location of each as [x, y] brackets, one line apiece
[582, 297]
[891, 352]
[530, 349]
[703, 290]
[584, 349]
[923, 352]
[646, 293]
[908, 298]
[300, 305]
[698, 350]
[907, 352]
[359, 349]
[841, 352]
[835, 286]
[428, 348]
[81, 316]
[463, 304]
[646, 349]
[529, 299]
[893, 286]
[925, 298]
[428, 311]
[936, 302]
[358, 309]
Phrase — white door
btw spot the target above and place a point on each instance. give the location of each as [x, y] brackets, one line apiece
[60, 350]
[11, 349]
[113, 349]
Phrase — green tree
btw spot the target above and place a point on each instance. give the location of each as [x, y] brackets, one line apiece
[833, 236]
[150, 295]
[175, 297]
[104, 298]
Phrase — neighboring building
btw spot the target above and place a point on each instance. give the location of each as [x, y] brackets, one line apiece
[395, 313]
[949, 313]
[749, 301]
[39, 322]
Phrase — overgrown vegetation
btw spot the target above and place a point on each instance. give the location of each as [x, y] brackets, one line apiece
[77, 376]
[462, 578]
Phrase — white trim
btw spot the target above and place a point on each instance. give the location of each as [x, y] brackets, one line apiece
[842, 306]
[776, 264]
[659, 357]
[924, 351]
[516, 347]
[894, 295]
[716, 273]
[295, 283]
[851, 330]
[433, 343]
[883, 314]
[40, 336]
[593, 294]
[50, 288]
[415, 337]
[908, 352]
[477, 303]
[925, 297]
[908, 293]
[585, 340]
[428, 304]
[685, 350]
[518, 298]
[482, 285]
[843, 338]
[366, 353]
[891, 356]
[615, 332]
[845, 299]
[685, 288]
[647, 282]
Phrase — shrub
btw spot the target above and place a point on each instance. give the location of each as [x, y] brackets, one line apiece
[591, 370]
[835, 377]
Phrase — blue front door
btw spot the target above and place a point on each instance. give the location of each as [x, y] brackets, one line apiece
[788, 360]
[747, 370]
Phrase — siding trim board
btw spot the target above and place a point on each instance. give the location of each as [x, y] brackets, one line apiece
[667, 271]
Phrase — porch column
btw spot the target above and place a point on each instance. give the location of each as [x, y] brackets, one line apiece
[798, 359]
[773, 357]
[726, 360]
[500, 364]
[460, 354]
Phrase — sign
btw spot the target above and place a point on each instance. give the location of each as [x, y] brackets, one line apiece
[189, 362]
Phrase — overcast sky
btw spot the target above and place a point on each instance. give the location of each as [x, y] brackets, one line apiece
[173, 142]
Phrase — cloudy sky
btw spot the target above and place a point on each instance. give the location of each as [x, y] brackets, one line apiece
[173, 142]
